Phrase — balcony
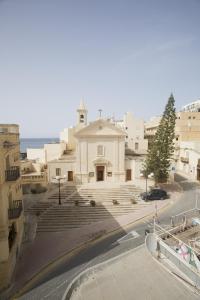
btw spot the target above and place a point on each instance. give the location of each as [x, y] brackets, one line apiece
[15, 210]
[12, 174]
[34, 178]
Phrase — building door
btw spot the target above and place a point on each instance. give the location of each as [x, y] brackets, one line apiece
[100, 173]
[70, 175]
[128, 174]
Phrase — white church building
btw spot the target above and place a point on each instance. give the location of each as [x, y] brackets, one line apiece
[102, 150]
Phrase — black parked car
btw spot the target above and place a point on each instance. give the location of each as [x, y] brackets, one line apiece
[154, 194]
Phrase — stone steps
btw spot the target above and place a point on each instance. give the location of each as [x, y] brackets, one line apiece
[69, 216]
[39, 207]
[65, 192]
[83, 217]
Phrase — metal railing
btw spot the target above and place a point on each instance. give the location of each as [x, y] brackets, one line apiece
[15, 210]
[184, 217]
[12, 174]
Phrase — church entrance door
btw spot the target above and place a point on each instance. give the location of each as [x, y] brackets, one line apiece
[128, 174]
[100, 173]
[70, 175]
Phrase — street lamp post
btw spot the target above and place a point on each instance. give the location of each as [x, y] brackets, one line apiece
[146, 177]
[58, 178]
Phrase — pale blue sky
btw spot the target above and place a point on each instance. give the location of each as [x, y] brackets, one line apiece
[119, 55]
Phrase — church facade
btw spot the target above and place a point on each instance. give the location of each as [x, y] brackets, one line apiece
[100, 154]
[103, 150]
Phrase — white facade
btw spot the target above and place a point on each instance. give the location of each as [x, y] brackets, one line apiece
[37, 155]
[100, 153]
[46, 154]
[192, 107]
[95, 151]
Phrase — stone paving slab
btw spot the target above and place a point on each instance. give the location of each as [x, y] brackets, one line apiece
[134, 276]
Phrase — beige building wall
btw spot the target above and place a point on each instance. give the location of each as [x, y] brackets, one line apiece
[135, 165]
[188, 161]
[33, 176]
[61, 168]
[188, 126]
[134, 129]
[151, 126]
[67, 137]
[187, 142]
[11, 212]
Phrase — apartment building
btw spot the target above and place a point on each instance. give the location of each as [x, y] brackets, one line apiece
[11, 205]
[187, 139]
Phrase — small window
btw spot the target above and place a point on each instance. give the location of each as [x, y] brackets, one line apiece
[189, 117]
[81, 118]
[193, 117]
[58, 171]
[176, 138]
[100, 150]
[136, 146]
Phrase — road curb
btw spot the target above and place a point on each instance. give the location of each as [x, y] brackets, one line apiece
[77, 249]
[82, 276]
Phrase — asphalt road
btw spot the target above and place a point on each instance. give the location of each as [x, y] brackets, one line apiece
[52, 286]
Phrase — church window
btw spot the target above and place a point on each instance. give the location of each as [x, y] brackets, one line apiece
[100, 150]
[58, 171]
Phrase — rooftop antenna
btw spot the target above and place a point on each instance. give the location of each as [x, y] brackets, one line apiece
[100, 111]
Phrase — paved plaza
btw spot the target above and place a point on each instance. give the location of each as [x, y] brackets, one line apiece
[48, 246]
[133, 276]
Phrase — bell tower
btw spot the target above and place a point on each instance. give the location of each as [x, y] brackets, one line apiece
[81, 115]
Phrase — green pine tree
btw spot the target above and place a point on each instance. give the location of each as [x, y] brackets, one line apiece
[160, 154]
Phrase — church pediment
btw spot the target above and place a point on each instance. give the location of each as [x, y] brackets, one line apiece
[100, 128]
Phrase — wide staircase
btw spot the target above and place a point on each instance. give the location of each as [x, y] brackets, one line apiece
[38, 208]
[76, 210]
[65, 192]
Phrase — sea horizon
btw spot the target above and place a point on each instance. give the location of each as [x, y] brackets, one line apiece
[34, 143]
